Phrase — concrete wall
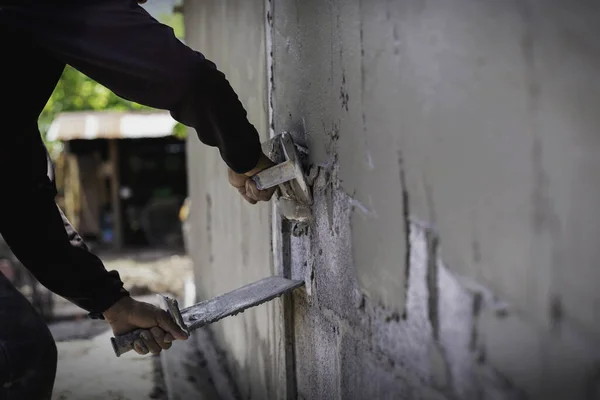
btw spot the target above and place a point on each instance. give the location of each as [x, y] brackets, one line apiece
[454, 253]
[231, 240]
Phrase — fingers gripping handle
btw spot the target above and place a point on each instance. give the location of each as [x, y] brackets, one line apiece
[124, 343]
[276, 175]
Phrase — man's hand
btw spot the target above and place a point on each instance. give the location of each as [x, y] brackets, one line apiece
[128, 314]
[246, 186]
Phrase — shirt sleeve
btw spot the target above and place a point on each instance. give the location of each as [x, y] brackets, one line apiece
[44, 241]
[214, 110]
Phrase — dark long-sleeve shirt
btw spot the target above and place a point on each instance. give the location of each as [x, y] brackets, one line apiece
[44, 241]
[119, 45]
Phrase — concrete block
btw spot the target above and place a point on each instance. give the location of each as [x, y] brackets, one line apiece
[333, 270]
[457, 313]
[316, 349]
[407, 340]
[441, 377]
[364, 375]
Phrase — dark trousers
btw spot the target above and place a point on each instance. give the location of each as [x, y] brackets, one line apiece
[119, 45]
[27, 349]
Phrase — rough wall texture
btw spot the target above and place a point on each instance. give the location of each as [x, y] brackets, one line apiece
[454, 253]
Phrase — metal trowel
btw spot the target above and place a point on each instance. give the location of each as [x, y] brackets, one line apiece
[294, 199]
[209, 311]
[294, 195]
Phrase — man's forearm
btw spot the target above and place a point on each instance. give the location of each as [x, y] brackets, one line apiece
[44, 241]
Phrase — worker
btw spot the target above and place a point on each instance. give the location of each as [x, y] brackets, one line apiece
[118, 44]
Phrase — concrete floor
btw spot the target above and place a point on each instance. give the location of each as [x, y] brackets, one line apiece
[89, 370]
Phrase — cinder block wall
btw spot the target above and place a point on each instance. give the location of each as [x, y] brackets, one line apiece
[454, 253]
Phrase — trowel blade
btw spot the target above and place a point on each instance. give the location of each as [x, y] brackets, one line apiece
[236, 301]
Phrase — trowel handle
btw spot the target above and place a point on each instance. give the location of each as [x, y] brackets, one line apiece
[276, 175]
[123, 343]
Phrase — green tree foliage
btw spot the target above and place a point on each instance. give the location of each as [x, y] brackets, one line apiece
[175, 21]
[77, 92]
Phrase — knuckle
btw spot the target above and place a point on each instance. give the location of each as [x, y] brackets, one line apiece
[157, 333]
[162, 317]
[154, 348]
[164, 346]
[140, 347]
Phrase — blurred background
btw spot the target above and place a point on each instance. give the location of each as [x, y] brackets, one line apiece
[120, 170]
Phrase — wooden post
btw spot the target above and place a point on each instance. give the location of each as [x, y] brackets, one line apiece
[115, 186]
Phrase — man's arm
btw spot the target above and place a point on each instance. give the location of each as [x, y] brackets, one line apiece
[122, 47]
[43, 240]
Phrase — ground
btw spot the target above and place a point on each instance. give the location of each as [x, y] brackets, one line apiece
[88, 369]
[87, 366]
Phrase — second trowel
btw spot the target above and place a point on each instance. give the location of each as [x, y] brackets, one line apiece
[209, 311]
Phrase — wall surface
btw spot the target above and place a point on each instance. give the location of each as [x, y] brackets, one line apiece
[231, 240]
[454, 251]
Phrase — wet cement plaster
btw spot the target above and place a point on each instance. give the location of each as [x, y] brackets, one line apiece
[485, 103]
[475, 118]
[324, 96]
[352, 347]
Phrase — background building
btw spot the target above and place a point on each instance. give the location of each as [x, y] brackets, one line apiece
[121, 176]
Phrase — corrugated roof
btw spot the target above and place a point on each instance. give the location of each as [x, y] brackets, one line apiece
[110, 125]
